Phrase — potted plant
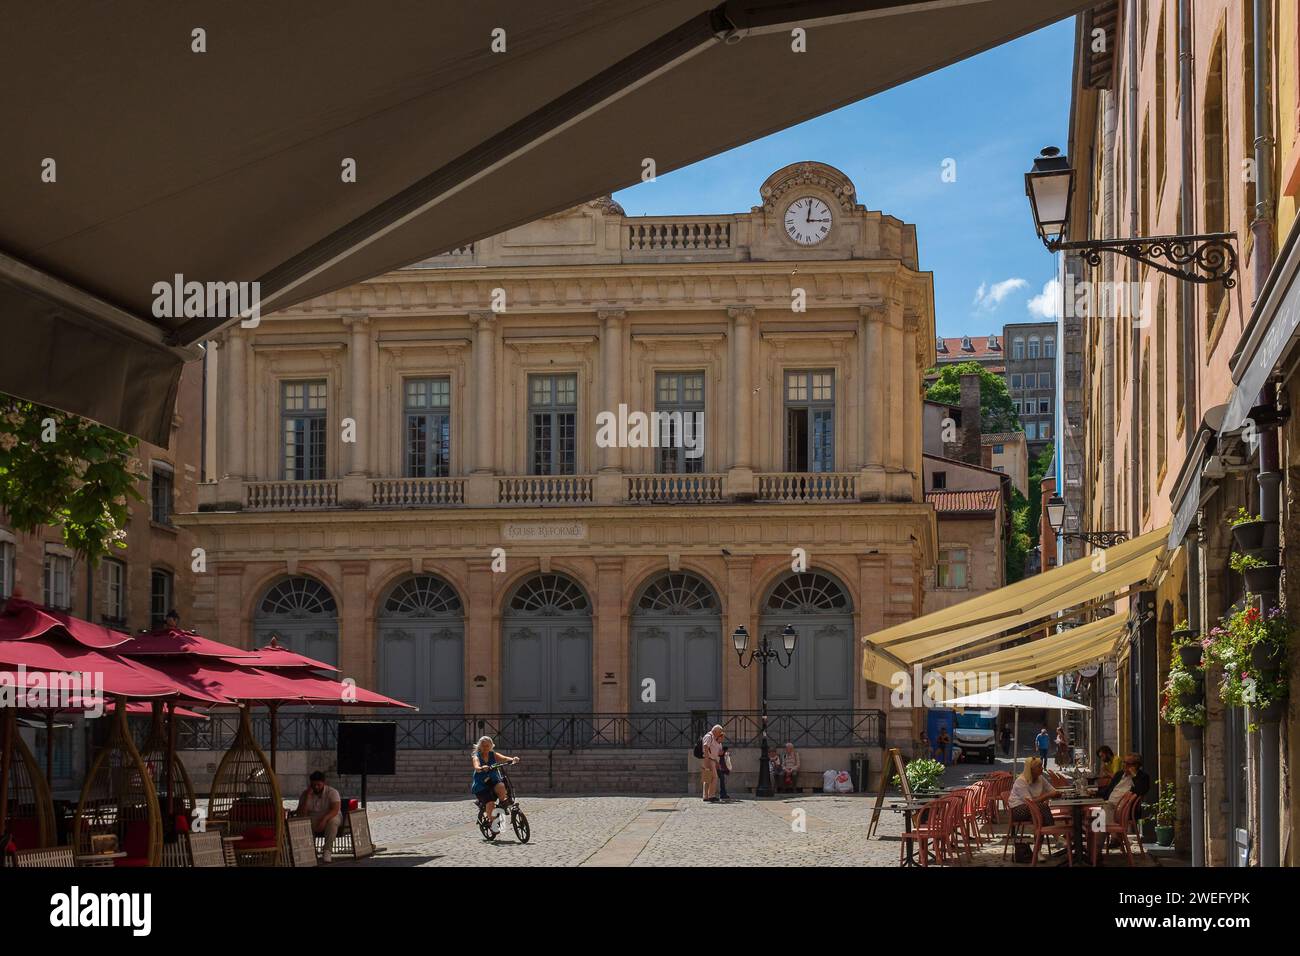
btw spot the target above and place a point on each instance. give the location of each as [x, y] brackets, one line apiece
[1248, 530]
[923, 775]
[1166, 814]
[1243, 641]
[1186, 646]
[1261, 577]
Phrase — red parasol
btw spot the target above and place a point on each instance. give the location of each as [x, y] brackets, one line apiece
[274, 656]
[22, 620]
[173, 642]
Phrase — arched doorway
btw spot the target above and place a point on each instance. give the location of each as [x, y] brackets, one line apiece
[676, 632]
[546, 648]
[300, 613]
[820, 677]
[421, 645]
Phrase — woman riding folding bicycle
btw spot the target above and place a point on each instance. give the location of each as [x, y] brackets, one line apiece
[489, 789]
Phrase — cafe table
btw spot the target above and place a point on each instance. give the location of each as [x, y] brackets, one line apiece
[1077, 804]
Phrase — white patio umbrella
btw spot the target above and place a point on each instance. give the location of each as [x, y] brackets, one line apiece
[1016, 696]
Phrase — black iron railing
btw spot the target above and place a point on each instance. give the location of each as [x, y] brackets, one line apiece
[803, 728]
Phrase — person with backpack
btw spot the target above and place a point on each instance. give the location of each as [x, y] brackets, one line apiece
[709, 750]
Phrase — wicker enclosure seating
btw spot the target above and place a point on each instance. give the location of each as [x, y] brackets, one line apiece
[29, 819]
[118, 799]
[245, 799]
[154, 754]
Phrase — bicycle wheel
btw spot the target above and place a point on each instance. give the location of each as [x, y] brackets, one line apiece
[485, 826]
[520, 823]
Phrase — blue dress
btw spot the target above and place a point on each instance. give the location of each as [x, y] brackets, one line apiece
[488, 778]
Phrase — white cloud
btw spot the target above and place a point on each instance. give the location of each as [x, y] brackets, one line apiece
[989, 297]
[1047, 304]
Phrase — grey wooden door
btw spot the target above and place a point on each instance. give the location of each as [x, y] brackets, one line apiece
[421, 645]
[546, 648]
[820, 675]
[676, 633]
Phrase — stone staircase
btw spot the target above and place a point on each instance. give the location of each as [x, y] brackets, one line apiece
[539, 772]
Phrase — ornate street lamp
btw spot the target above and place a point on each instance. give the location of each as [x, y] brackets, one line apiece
[1098, 539]
[1203, 257]
[764, 653]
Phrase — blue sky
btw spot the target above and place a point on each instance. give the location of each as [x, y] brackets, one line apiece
[991, 113]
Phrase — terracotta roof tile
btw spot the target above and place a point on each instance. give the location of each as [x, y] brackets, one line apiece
[964, 502]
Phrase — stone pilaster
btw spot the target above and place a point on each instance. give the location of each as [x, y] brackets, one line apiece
[358, 405]
[356, 626]
[871, 485]
[485, 392]
[740, 476]
[609, 655]
[482, 689]
[738, 683]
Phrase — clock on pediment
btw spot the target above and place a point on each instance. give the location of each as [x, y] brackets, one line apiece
[808, 220]
[808, 202]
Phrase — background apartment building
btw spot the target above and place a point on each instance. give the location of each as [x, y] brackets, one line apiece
[132, 588]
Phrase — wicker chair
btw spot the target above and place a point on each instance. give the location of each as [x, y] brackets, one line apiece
[194, 849]
[245, 800]
[29, 819]
[154, 754]
[118, 799]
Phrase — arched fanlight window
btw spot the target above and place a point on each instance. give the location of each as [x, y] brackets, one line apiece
[808, 593]
[421, 596]
[299, 597]
[549, 594]
[678, 594]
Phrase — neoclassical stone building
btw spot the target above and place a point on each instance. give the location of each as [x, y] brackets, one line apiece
[375, 447]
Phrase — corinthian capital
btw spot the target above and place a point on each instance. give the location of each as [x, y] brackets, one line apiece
[741, 313]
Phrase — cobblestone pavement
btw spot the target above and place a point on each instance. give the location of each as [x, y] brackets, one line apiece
[803, 830]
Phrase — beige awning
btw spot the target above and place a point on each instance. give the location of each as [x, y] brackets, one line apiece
[227, 165]
[900, 647]
[1055, 653]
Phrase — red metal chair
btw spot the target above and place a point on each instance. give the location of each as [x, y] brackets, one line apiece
[1124, 819]
[1042, 830]
[926, 827]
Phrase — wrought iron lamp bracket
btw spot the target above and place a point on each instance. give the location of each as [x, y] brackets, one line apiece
[1204, 258]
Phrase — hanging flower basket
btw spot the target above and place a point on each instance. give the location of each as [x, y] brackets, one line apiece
[1190, 698]
[1250, 535]
[1190, 654]
[1244, 640]
[1192, 731]
[1262, 580]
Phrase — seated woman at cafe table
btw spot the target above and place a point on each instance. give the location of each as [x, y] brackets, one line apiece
[1107, 765]
[1133, 779]
[1030, 787]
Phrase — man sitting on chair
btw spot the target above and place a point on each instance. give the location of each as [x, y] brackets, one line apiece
[322, 804]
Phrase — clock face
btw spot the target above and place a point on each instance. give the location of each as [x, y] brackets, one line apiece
[808, 220]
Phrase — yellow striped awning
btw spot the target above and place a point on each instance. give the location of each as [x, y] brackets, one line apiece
[898, 648]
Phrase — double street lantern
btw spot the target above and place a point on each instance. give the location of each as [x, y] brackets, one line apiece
[1204, 258]
[1098, 539]
[764, 653]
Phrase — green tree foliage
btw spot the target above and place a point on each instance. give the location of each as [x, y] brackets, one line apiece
[1026, 515]
[60, 469]
[997, 413]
